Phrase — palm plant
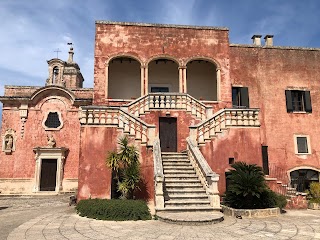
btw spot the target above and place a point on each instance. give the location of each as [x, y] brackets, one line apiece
[126, 167]
[247, 187]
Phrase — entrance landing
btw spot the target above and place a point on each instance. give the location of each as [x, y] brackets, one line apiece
[191, 218]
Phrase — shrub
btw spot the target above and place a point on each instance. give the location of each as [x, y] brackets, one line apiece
[126, 168]
[248, 190]
[114, 209]
[314, 192]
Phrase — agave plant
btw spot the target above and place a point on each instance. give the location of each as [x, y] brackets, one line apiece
[126, 167]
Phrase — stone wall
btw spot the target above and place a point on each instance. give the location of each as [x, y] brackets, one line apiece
[268, 72]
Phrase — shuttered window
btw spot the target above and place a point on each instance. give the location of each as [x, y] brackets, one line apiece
[298, 101]
[240, 97]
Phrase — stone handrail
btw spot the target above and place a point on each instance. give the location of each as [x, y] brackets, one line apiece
[208, 178]
[178, 101]
[158, 175]
[223, 119]
[116, 117]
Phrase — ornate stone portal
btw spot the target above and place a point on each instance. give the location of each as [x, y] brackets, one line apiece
[49, 154]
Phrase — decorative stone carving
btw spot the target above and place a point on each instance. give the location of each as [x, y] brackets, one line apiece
[9, 141]
[51, 141]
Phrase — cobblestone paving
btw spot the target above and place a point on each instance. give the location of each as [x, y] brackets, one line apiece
[61, 222]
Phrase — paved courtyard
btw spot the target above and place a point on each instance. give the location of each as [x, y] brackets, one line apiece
[52, 218]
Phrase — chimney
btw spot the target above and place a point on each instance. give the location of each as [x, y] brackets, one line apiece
[70, 59]
[256, 40]
[268, 40]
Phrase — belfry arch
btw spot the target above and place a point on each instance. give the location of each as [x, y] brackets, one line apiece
[202, 79]
[124, 78]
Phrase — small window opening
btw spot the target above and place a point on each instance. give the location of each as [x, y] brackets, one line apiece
[55, 74]
[53, 120]
[302, 144]
[231, 161]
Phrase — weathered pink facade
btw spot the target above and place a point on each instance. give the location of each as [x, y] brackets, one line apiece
[252, 103]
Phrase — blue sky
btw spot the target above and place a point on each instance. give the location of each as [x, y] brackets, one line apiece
[31, 31]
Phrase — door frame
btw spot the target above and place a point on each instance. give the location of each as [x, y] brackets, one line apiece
[58, 154]
[176, 137]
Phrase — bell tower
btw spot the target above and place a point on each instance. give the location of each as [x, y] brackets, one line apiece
[66, 74]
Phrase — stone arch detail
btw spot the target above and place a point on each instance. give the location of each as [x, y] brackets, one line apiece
[165, 56]
[47, 91]
[119, 55]
[211, 60]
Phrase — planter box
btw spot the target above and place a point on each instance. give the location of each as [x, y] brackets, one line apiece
[314, 206]
[251, 213]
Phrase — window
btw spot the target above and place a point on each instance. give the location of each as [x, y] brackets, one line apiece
[298, 101]
[240, 97]
[302, 144]
[159, 89]
[53, 121]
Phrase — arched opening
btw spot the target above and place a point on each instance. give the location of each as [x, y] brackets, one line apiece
[163, 76]
[55, 74]
[124, 80]
[301, 178]
[202, 80]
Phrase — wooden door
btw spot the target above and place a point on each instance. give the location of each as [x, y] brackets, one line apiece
[48, 175]
[168, 134]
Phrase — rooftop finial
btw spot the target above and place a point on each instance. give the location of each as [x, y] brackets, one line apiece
[70, 59]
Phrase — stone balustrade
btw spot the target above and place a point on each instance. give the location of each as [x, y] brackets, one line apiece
[158, 175]
[223, 119]
[208, 178]
[176, 101]
[116, 117]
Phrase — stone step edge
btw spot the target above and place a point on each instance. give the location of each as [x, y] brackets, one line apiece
[190, 222]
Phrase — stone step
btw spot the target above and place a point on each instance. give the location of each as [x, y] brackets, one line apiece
[178, 167]
[189, 202]
[191, 218]
[191, 180]
[178, 171]
[183, 185]
[187, 196]
[188, 208]
[175, 157]
[177, 164]
[185, 191]
[175, 160]
[180, 176]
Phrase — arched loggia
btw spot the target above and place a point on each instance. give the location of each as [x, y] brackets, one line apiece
[202, 80]
[124, 78]
[163, 75]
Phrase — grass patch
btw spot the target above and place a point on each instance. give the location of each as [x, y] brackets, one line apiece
[113, 209]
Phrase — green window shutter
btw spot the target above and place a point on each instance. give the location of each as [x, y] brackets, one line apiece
[244, 96]
[289, 101]
[307, 101]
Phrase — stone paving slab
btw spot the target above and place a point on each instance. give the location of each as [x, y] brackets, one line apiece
[61, 222]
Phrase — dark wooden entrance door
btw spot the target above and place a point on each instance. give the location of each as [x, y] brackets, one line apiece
[168, 134]
[48, 175]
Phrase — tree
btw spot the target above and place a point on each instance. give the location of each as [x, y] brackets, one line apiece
[126, 167]
[247, 188]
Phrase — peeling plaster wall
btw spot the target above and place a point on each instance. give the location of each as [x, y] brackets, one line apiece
[268, 72]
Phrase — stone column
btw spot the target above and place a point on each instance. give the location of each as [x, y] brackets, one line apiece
[146, 80]
[180, 80]
[184, 75]
[143, 87]
[106, 74]
[218, 84]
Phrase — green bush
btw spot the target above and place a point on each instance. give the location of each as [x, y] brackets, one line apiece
[114, 209]
[314, 192]
[248, 190]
